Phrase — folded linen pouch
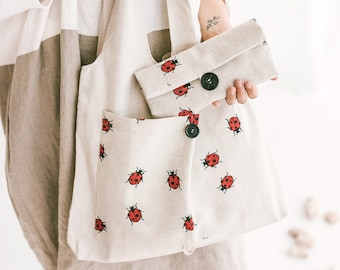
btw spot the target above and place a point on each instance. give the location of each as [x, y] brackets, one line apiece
[201, 74]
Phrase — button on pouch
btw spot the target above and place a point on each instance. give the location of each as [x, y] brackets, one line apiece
[204, 72]
[209, 81]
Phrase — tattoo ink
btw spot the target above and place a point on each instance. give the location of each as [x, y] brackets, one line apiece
[212, 22]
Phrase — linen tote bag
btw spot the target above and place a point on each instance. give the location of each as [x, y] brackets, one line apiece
[152, 181]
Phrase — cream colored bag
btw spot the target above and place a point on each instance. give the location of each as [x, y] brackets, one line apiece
[185, 176]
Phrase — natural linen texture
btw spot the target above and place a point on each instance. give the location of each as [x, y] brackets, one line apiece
[151, 185]
[241, 52]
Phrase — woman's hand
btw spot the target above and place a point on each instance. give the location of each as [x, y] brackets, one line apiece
[240, 92]
[214, 19]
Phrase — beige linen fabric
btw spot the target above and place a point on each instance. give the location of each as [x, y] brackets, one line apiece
[241, 52]
[32, 133]
[38, 99]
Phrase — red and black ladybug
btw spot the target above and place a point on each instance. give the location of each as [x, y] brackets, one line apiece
[226, 183]
[102, 154]
[211, 160]
[136, 177]
[173, 180]
[182, 90]
[193, 118]
[134, 214]
[107, 125]
[184, 112]
[100, 225]
[169, 65]
[234, 124]
[189, 224]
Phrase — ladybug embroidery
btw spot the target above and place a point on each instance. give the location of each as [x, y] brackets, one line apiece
[169, 65]
[102, 153]
[226, 183]
[107, 125]
[173, 180]
[136, 177]
[184, 112]
[188, 223]
[234, 124]
[193, 118]
[134, 214]
[211, 160]
[182, 90]
[99, 225]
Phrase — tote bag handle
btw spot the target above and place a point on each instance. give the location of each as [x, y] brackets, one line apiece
[183, 23]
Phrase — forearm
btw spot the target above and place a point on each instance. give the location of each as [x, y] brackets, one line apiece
[213, 17]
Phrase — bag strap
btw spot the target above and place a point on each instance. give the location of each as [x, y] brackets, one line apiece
[103, 23]
[183, 23]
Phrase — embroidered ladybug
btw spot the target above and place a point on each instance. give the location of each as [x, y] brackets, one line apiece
[102, 153]
[211, 160]
[234, 124]
[173, 180]
[189, 224]
[184, 112]
[182, 90]
[170, 65]
[99, 225]
[226, 183]
[136, 177]
[134, 214]
[193, 118]
[107, 125]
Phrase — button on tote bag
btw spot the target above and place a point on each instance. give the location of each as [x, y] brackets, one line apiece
[161, 171]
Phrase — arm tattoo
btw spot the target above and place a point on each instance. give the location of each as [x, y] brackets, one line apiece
[213, 21]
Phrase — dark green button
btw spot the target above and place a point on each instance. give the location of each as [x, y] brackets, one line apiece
[209, 81]
[192, 130]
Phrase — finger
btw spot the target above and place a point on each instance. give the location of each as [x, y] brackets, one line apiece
[241, 94]
[251, 90]
[216, 103]
[274, 79]
[231, 95]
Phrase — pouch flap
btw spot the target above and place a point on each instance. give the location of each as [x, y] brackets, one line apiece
[192, 63]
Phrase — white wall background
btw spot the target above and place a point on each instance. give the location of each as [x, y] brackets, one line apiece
[300, 116]
[300, 113]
